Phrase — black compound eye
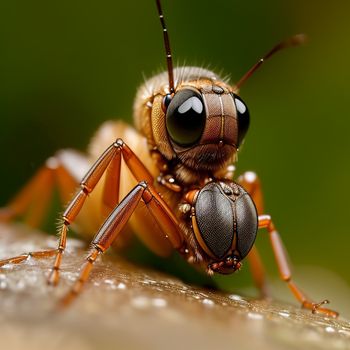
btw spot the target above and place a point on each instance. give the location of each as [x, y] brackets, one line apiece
[242, 117]
[185, 117]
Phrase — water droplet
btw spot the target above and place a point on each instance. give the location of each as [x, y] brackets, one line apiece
[149, 281]
[207, 302]
[330, 329]
[255, 316]
[121, 285]
[3, 284]
[140, 302]
[71, 276]
[20, 285]
[284, 314]
[159, 302]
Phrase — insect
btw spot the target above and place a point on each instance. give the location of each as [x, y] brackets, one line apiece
[180, 164]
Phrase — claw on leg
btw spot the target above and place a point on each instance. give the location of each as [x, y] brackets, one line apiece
[317, 309]
[285, 272]
[316, 306]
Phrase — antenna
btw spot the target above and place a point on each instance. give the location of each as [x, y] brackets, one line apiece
[295, 40]
[169, 59]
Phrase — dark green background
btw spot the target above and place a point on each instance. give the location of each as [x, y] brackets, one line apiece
[67, 66]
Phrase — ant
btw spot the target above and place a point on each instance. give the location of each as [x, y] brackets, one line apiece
[190, 124]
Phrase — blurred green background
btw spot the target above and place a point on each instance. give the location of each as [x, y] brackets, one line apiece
[68, 66]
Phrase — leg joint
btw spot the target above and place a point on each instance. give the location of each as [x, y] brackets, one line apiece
[52, 163]
[147, 195]
[85, 189]
[143, 184]
[265, 221]
[119, 143]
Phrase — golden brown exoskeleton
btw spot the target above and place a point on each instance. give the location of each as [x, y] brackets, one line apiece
[179, 163]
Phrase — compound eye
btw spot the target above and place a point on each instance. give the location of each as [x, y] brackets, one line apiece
[185, 117]
[242, 117]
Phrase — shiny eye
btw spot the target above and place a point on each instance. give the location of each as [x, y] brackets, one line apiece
[185, 117]
[242, 117]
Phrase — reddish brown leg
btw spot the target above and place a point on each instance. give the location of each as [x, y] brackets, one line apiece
[116, 221]
[110, 158]
[285, 272]
[29, 195]
[258, 272]
[109, 161]
[33, 201]
[110, 195]
[37, 255]
[251, 183]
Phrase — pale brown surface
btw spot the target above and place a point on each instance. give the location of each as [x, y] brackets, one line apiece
[126, 307]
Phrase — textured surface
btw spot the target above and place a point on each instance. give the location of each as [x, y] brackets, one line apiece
[215, 219]
[126, 307]
[247, 224]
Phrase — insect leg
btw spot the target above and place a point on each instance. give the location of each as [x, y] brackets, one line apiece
[34, 198]
[87, 185]
[251, 183]
[109, 161]
[116, 221]
[285, 272]
[29, 195]
[38, 255]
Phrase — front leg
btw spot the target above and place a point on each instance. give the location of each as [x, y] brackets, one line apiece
[115, 223]
[109, 162]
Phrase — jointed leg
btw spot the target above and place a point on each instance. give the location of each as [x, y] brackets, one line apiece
[109, 161]
[33, 200]
[38, 255]
[30, 194]
[251, 183]
[114, 224]
[284, 269]
[258, 272]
